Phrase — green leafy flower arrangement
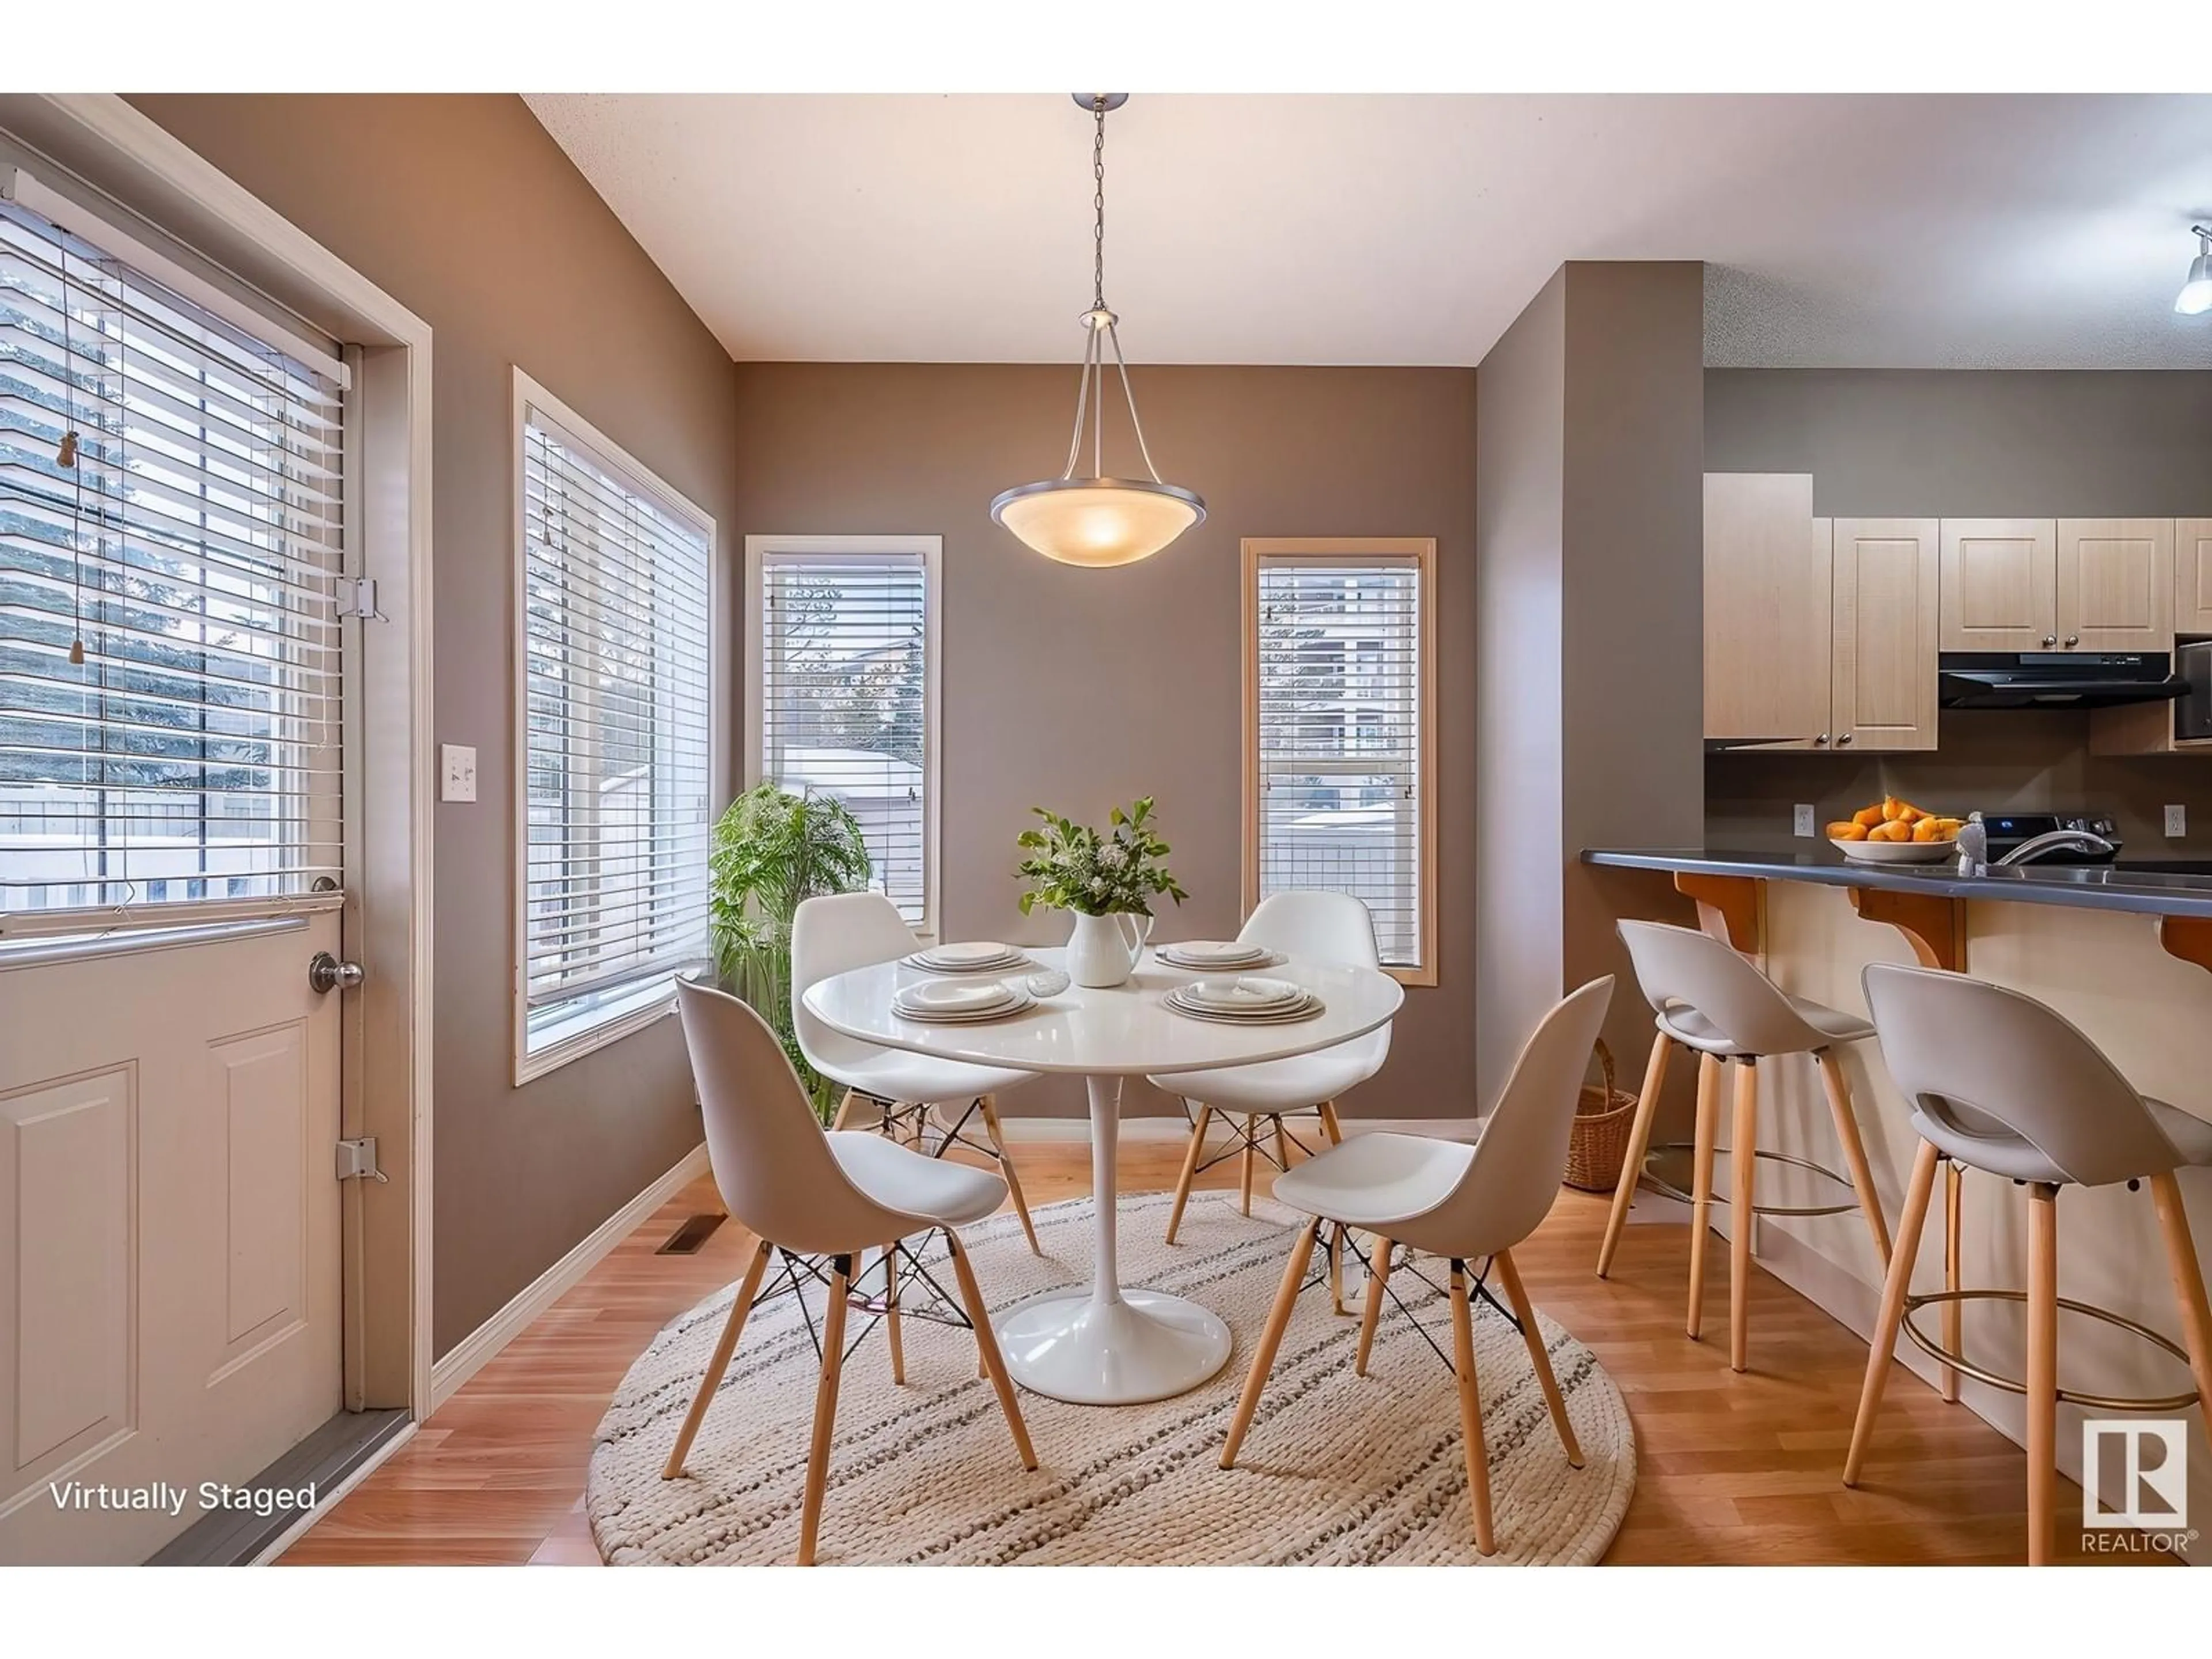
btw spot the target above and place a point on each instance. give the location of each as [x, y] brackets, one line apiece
[1071, 866]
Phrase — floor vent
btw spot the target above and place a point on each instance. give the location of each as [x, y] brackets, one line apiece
[687, 1238]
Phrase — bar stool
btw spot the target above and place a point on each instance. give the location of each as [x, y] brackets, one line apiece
[1709, 999]
[2001, 1083]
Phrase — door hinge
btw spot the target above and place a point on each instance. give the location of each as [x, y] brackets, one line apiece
[357, 1161]
[356, 597]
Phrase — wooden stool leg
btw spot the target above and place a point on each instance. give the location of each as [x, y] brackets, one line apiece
[2042, 1369]
[1881, 1350]
[891, 1336]
[1854, 1157]
[748, 1288]
[1271, 1338]
[1639, 1143]
[1470, 1412]
[1955, 1313]
[1525, 1311]
[1701, 1184]
[1743, 1165]
[2188, 1288]
[1329, 1126]
[825, 1409]
[1190, 1158]
[1375, 1280]
[986, 1344]
[990, 1107]
[1251, 1145]
[844, 1109]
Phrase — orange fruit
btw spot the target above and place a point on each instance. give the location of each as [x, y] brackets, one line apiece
[1847, 830]
[1867, 816]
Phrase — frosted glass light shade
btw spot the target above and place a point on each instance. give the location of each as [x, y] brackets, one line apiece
[1097, 521]
[2197, 292]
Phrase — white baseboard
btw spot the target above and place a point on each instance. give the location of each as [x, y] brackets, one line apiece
[475, 1350]
[1176, 1128]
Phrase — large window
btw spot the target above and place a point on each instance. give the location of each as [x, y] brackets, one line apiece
[170, 494]
[617, 599]
[840, 635]
[1339, 732]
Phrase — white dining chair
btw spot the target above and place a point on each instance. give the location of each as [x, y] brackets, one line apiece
[823, 1200]
[1253, 1100]
[1462, 1202]
[838, 933]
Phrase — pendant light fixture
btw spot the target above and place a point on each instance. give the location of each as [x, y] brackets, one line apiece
[1098, 521]
[2196, 296]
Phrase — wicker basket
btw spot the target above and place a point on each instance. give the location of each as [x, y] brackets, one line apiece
[1599, 1144]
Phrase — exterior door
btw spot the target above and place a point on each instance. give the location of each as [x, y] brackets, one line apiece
[2115, 584]
[2000, 585]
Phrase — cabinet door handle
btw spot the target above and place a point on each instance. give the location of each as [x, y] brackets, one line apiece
[2073, 639]
[1819, 740]
[2050, 640]
[1846, 738]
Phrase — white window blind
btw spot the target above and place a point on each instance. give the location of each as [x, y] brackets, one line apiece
[617, 580]
[194, 550]
[844, 699]
[1340, 730]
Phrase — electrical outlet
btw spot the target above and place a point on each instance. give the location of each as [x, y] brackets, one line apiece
[2177, 821]
[1801, 820]
[458, 762]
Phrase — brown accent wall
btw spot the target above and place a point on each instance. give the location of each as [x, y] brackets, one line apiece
[1076, 689]
[464, 209]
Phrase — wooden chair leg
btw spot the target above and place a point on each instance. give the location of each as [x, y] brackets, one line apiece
[2188, 1288]
[892, 1337]
[1855, 1158]
[1282, 1144]
[844, 1109]
[1271, 1338]
[825, 1409]
[1955, 1313]
[1701, 1185]
[1882, 1349]
[1639, 1143]
[1375, 1280]
[1251, 1146]
[1329, 1126]
[1191, 1155]
[1470, 1412]
[1743, 1165]
[1525, 1311]
[2042, 1369]
[748, 1287]
[986, 1344]
[990, 1109]
[1336, 1269]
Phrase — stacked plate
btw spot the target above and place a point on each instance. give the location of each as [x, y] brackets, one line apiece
[1247, 999]
[1215, 955]
[938, 1002]
[982, 957]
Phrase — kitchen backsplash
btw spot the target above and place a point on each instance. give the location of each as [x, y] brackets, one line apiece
[1989, 761]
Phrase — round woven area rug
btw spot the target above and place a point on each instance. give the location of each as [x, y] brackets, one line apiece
[1337, 1468]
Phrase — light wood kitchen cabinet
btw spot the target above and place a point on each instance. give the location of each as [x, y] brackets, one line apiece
[2115, 584]
[2000, 585]
[2192, 575]
[1767, 595]
[1882, 657]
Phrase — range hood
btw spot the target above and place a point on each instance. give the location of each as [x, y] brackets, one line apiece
[2055, 679]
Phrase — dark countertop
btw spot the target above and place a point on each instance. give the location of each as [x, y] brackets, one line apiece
[2142, 888]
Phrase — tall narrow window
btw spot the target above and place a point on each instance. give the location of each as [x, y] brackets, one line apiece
[1339, 731]
[617, 586]
[170, 492]
[843, 693]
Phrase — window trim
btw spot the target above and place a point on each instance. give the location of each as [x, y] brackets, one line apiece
[1331, 549]
[625, 1014]
[930, 549]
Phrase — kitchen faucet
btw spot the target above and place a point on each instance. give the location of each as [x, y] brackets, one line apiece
[1974, 845]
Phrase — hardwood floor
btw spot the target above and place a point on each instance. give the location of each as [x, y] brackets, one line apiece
[1732, 1469]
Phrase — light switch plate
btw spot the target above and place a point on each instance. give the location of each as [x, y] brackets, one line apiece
[1801, 820]
[458, 764]
[2177, 821]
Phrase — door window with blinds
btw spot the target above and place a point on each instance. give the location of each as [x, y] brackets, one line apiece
[842, 700]
[170, 509]
[615, 607]
[1339, 731]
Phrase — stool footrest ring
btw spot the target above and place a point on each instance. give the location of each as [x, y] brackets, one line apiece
[1671, 1189]
[1958, 1362]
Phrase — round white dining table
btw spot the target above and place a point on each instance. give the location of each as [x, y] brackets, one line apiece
[1110, 1345]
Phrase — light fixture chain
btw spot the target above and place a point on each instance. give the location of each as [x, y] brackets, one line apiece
[1098, 206]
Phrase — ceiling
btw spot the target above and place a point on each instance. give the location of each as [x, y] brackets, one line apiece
[1895, 231]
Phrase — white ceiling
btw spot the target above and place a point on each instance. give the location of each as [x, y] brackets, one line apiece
[1934, 231]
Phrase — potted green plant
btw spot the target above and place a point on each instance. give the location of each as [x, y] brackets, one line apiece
[1106, 881]
[773, 851]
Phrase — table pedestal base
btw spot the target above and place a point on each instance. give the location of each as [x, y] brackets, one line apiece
[1145, 1345]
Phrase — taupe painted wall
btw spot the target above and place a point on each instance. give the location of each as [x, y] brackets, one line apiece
[464, 209]
[1078, 688]
[2026, 443]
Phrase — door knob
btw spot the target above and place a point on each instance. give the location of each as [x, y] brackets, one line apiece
[1819, 740]
[2073, 639]
[1846, 738]
[326, 974]
[2050, 640]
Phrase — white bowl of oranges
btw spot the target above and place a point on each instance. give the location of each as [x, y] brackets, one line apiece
[1894, 831]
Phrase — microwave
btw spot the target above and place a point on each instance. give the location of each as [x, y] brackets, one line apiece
[2192, 713]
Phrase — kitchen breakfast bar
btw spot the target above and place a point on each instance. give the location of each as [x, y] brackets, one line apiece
[2123, 952]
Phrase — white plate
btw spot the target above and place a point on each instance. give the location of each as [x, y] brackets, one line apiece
[942, 996]
[1290, 1016]
[1897, 852]
[974, 954]
[929, 963]
[1022, 1001]
[1214, 953]
[1247, 993]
